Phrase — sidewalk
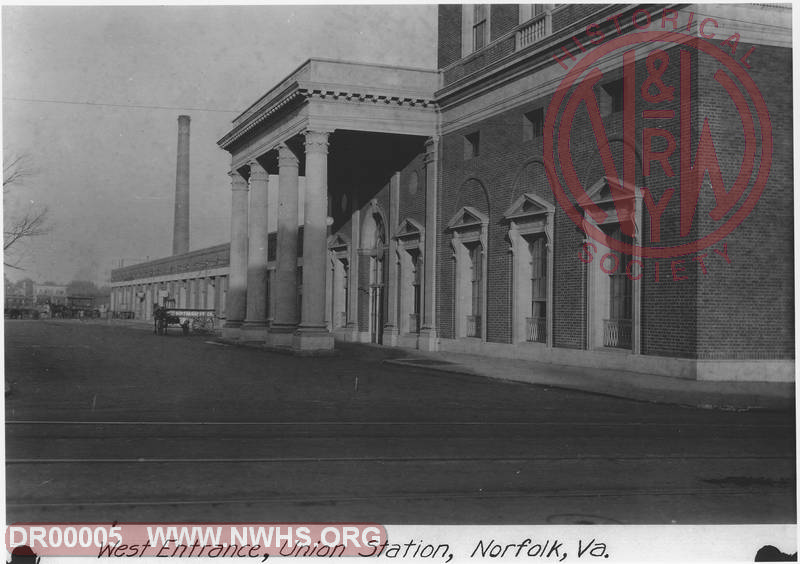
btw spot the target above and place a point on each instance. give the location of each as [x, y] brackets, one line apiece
[630, 385]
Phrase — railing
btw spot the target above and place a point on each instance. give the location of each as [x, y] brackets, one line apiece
[473, 326]
[534, 30]
[536, 329]
[413, 323]
[617, 333]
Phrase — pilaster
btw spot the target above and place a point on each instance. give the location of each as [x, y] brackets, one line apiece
[391, 330]
[428, 334]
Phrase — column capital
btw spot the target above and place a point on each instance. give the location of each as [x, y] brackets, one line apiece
[257, 171]
[316, 141]
[286, 156]
[237, 181]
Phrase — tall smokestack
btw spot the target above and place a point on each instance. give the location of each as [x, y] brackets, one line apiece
[180, 235]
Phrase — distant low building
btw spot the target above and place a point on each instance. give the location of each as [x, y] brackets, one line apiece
[50, 293]
[16, 301]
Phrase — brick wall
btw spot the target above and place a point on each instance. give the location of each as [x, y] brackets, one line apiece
[747, 307]
[571, 13]
[412, 191]
[475, 62]
[504, 18]
[741, 310]
[449, 34]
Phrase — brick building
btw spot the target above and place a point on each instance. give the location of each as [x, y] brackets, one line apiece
[431, 218]
[53, 294]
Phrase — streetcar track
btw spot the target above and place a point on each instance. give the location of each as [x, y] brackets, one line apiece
[380, 459]
[425, 496]
[626, 424]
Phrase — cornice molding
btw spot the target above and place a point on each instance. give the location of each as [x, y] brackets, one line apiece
[270, 108]
[257, 117]
[374, 97]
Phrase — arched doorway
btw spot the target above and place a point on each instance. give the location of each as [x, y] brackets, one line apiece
[374, 247]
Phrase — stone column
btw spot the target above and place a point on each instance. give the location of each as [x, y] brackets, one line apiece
[428, 337]
[223, 295]
[237, 288]
[255, 325]
[284, 321]
[148, 300]
[271, 296]
[391, 328]
[312, 333]
[211, 294]
[219, 310]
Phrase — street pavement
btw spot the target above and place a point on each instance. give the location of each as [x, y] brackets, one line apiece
[106, 421]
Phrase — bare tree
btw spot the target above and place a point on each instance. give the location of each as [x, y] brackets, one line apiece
[16, 168]
[33, 221]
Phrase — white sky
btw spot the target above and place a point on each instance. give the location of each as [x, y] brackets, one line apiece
[107, 173]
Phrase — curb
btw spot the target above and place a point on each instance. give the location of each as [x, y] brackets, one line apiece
[705, 400]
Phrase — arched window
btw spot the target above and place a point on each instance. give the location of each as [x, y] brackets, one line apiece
[530, 233]
[537, 328]
[410, 242]
[617, 327]
[469, 229]
[476, 269]
[612, 318]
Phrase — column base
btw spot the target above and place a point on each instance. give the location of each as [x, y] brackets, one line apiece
[253, 332]
[231, 330]
[408, 341]
[281, 335]
[347, 334]
[390, 335]
[428, 339]
[312, 340]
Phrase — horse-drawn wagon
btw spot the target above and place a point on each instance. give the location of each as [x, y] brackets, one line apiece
[196, 320]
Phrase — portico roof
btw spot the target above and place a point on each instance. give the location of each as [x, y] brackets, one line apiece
[329, 95]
